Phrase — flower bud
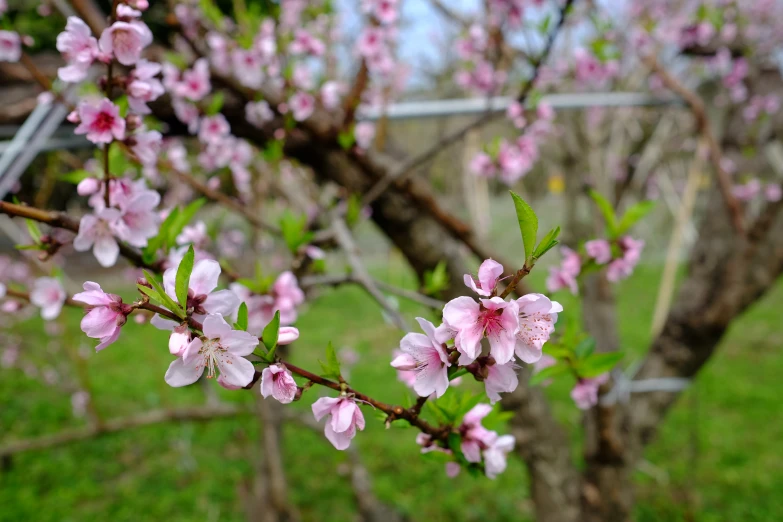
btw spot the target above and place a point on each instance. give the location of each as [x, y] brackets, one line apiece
[88, 186]
[142, 281]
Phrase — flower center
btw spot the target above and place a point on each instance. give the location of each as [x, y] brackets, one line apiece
[213, 352]
[104, 121]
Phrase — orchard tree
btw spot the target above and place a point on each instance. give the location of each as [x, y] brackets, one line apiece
[260, 106]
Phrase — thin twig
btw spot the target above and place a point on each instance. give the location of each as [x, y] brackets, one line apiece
[699, 111]
[339, 279]
[411, 165]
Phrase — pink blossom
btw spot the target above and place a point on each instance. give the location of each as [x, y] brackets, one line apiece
[88, 186]
[623, 267]
[195, 234]
[306, 43]
[125, 41]
[346, 417]
[2, 290]
[143, 86]
[187, 113]
[288, 296]
[10, 47]
[407, 377]
[773, 192]
[424, 354]
[600, 250]
[500, 378]
[452, 469]
[202, 298]
[513, 163]
[220, 347]
[96, 231]
[195, 82]
[482, 165]
[386, 11]
[48, 294]
[106, 314]
[364, 132]
[78, 47]
[258, 113]
[101, 122]
[747, 191]
[488, 275]
[331, 92]
[543, 363]
[585, 392]
[138, 221]
[146, 145]
[213, 129]
[495, 455]
[278, 382]
[537, 318]
[474, 435]
[287, 335]
[248, 67]
[565, 275]
[495, 318]
[370, 42]
[179, 340]
[302, 105]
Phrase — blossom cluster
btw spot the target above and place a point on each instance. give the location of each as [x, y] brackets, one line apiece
[619, 256]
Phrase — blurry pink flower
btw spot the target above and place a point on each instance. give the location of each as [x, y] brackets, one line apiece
[474, 435]
[138, 221]
[346, 417]
[407, 377]
[106, 314]
[10, 47]
[370, 42]
[125, 41]
[302, 105]
[195, 82]
[195, 234]
[278, 382]
[213, 129]
[2, 290]
[220, 347]
[287, 335]
[78, 47]
[306, 43]
[143, 86]
[96, 231]
[101, 122]
[288, 296]
[425, 355]
[482, 165]
[258, 113]
[585, 392]
[488, 274]
[543, 363]
[495, 455]
[600, 250]
[248, 67]
[146, 145]
[537, 318]
[386, 11]
[48, 294]
[88, 186]
[773, 192]
[364, 132]
[331, 92]
[565, 275]
[495, 318]
[623, 267]
[500, 378]
[452, 469]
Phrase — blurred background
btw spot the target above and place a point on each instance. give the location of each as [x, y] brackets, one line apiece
[80, 435]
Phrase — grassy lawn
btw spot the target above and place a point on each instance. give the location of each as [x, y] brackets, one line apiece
[717, 457]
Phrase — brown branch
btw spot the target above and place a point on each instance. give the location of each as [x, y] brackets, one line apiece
[699, 111]
[355, 95]
[417, 161]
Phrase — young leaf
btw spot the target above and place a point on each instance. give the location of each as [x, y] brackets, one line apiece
[528, 226]
[633, 215]
[149, 292]
[183, 277]
[215, 104]
[241, 323]
[33, 230]
[608, 212]
[598, 363]
[269, 335]
[585, 348]
[346, 139]
[331, 368]
[548, 373]
[75, 176]
[546, 244]
[163, 297]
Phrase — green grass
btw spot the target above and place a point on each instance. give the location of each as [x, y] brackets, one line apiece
[717, 456]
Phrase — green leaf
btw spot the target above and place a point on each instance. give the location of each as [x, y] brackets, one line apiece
[436, 280]
[330, 368]
[528, 226]
[598, 363]
[75, 176]
[546, 244]
[608, 212]
[30, 247]
[273, 152]
[269, 336]
[548, 373]
[157, 242]
[346, 139]
[183, 277]
[149, 292]
[241, 323]
[215, 104]
[633, 215]
[294, 230]
[585, 348]
[353, 209]
[33, 230]
[163, 297]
